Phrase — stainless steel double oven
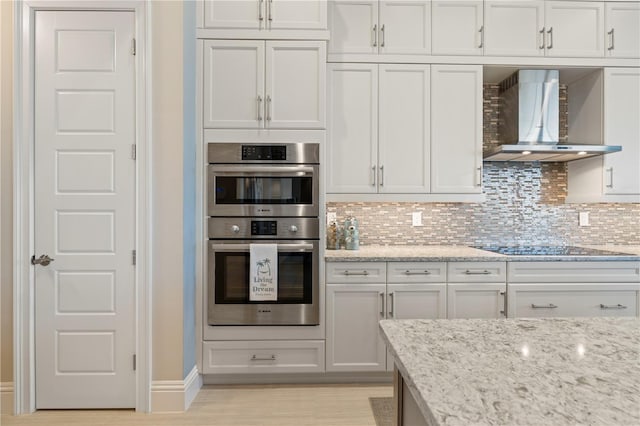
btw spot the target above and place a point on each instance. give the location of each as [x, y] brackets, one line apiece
[263, 194]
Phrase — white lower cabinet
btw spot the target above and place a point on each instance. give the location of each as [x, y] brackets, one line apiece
[476, 300]
[265, 356]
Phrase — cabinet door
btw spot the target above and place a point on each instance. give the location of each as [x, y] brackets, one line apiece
[457, 27]
[513, 28]
[353, 25]
[622, 127]
[476, 300]
[296, 15]
[574, 28]
[456, 129]
[353, 128]
[234, 14]
[403, 139]
[295, 85]
[233, 84]
[405, 27]
[416, 301]
[622, 25]
[353, 338]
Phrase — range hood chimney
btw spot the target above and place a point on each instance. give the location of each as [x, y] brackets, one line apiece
[530, 117]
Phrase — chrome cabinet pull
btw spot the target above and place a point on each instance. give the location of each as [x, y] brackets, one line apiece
[541, 38]
[375, 35]
[618, 306]
[478, 176]
[503, 311]
[269, 12]
[381, 178]
[349, 273]
[382, 31]
[549, 306]
[425, 272]
[373, 175]
[610, 33]
[610, 171]
[257, 358]
[550, 32]
[470, 272]
[481, 31]
[260, 15]
[43, 260]
[382, 304]
[268, 108]
[393, 302]
[259, 108]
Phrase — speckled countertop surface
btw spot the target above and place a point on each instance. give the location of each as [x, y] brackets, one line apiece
[435, 253]
[521, 371]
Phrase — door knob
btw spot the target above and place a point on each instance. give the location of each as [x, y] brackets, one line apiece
[43, 260]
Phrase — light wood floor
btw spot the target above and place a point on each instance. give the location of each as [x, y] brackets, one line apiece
[263, 405]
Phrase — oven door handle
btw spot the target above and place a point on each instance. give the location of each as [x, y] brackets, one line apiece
[245, 247]
[272, 170]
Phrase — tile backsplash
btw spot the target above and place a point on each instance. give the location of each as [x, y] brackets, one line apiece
[524, 205]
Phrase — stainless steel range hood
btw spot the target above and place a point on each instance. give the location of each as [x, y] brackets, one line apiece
[529, 124]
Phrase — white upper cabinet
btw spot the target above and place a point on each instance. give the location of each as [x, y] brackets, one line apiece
[514, 28]
[265, 14]
[458, 27]
[456, 129]
[246, 88]
[401, 27]
[574, 28]
[622, 26]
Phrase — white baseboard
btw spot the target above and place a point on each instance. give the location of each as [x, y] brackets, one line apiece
[170, 396]
[6, 398]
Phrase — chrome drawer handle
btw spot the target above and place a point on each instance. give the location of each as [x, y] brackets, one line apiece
[257, 358]
[365, 273]
[549, 306]
[485, 272]
[425, 272]
[618, 306]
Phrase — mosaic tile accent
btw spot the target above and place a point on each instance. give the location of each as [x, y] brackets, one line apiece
[525, 205]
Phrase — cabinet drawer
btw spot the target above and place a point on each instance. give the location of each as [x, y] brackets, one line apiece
[291, 356]
[585, 272]
[572, 300]
[356, 272]
[416, 272]
[477, 272]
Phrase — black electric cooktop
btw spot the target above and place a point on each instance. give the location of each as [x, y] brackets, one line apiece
[549, 251]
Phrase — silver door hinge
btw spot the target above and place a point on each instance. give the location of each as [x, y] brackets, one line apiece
[134, 362]
[133, 151]
[133, 257]
[133, 47]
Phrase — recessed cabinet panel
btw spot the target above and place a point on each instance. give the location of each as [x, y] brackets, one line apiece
[513, 28]
[234, 14]
[353, 25]
[297, 15]
[622, 27]
[476, 300]
[574, 28]
[405, 27]
[458, 27]
[416, 301]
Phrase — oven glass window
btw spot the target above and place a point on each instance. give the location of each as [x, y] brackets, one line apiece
[264, 190]
[232, 278]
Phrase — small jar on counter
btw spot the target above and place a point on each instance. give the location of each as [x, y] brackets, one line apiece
[334, 236]
[351, 234]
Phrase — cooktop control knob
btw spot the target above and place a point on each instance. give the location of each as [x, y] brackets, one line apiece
[293, 228]
[235, 228]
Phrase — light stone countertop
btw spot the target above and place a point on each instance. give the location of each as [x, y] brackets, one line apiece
[554, 371]
[428, 253]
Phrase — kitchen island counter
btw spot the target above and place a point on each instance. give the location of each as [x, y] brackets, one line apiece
[517, 371]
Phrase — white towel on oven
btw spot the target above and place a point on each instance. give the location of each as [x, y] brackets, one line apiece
[263, 272]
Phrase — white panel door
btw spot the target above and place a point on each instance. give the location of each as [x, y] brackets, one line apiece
[354, 26]
[295, 90]
[297, 15]
[405, 27]
[353, 336]
[514, 28]
[476, 300]
[574, 28]
[458, 27]
[403, 135]
[84, 209]
[236, 14]
[353, 128]
[234, 84]
[456, 129]
[622, 25]
[622, 127]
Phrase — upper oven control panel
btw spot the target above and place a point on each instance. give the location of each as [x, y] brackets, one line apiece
[264, 152]
[277, 153]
